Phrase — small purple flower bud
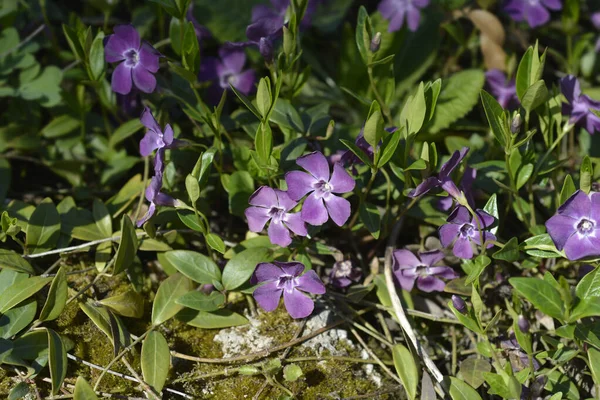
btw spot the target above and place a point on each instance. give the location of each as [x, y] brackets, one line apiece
[523, 324]
[375, 43]
[459, 304]
[515, 125]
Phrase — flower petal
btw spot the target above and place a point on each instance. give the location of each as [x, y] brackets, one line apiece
[279, 234]
[162, 199]
[569, 86]
[413, 18]
[233, 59]
[552, 4]
[453, 162]
[264, 196]
[537, 15]
[150, 142]
[311, 283]
[316, 164]
[297, 304]
[128, 35]
[432, 257]
[406, 259]
[149, 57]
[430, 284]
[267, 272]
[295, 223]
[397, 20]
[284, 201]
[267, 296]
[579, 246]
[245, 81]
[121, 79]
[443, 272]
[463, 248]
[577, 206]
[485, 219]
[168, 136]
[341, 181]
[257, 218]
[560, 228]
[149, 121]
[339, 209]
[407, 282]
[299, 184]
[425, 186]
[148, 215]
[460, 215]
[314, 211]
[144, 80]
[448, 233]
[114, 49]
[292, 268]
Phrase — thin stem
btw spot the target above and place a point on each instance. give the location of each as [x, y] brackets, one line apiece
[24, 41]
[147, 388]
[142, 194]
[374, 356]
[384, 108]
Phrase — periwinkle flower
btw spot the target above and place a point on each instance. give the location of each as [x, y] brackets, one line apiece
[534, 11]
[459, 304]
[227, 69]
[466, 185]
[410, 269]
[273, 205]
[523, 324]
[396, 11]
[343, 274]
[349, 158]
[286, 278]
[322, 188]
[156, 198]
[464, 231]
[442, 179]
[138, 60]
[575, 228]
[505, 91]
[156, 139]
[579, 106]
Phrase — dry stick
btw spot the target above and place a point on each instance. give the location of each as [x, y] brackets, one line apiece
[266, 352]
[399, 310]
[147, 388]
[106, 395]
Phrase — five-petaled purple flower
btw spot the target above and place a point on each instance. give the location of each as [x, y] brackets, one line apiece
[273, 205]
[286, 278]
[504, 91]
[321, 187]
[579, 106]
[139, 60]
[226, 70]
[396, 11]
[464, 231]
[442, 179]
[156, 198]
[576, 226]
[343, 274]
[534, 11]
[156, 139]
[409, 269]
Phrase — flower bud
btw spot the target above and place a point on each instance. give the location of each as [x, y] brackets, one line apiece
[523, 324]
[459, 304]
[515, 125]
[375, 43]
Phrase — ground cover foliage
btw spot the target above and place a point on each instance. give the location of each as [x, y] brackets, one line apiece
[304, 199]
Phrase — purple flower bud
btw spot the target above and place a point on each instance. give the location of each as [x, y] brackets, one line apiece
[375, 43]
[523, 324]
[515, 125]
[459, 304]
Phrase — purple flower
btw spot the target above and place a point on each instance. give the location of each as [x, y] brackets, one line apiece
[349, 158]
[273, 205]
[320, 186]
[459, 304]
[534, 11]
[596, 22]
[156, 198]
[396, 11]
[201, 31]
[575, 227]
[579, 106]
[156, 139]
[410, 269]
[504, 91]
[286, 278]
[442, 179]
[139, 60]
[466, 185]
[462, 231]
[225, 70]
[343, 274]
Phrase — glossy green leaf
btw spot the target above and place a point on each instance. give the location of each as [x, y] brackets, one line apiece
[363, 34]
[357, 152]
[558, 382]
[96, 57]
[468, 320]
[413, 112]
[128, 304]
[83, 390]
[373, 130]
[541, 294]
[156, 360]
[201, 301]
[218, 319]
[57, 297]
[460, 390]
[589, 286]
[594, 363]
[292, 372]
[57, 358]
[241, 267]
[496, 118]
[128, 246]
[388, 148]
[169, 291]
[102, 218]
[369, 215]
[530, 70]
[406, 368]
[124, 131]
[263, 142]
[535, 96]
[43, 228]
[193, 188]
[60, 126]
[11, 260]
[510, 251]
[586, 174]
[17, 318]
[240, 188]
[195, 266]
[215, 242]
[20, 291]
[567, 190]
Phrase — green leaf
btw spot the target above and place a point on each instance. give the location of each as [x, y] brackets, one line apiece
[246, 102]
[102, 218]
[491, 207]
[205, 164]
[241, 267]
[407, 370]
[191, 50]
[373, 130]
[472, 370]
[558, 382]
[45, 88]
[57, 359]
[195, 266]
[128, 304]
[219, 319]
[477, 267]
[357, 152]
[567, 190]
[21, 391]
[496, 118]
[124, 131]
[57, 297]
[589, 286]
[459, 95]
[388, 148]
[96, 60]
[156, 360]
[11, 260]
[292, 372]
[530, 70]
[264, 96]
[169, 291]
[510, 251]
[43, 228]
[127, 246]
[263, 142]
[589, 307]
[541, 294]
[193, 188]
[541, 246]
[60, 126]
[460, 390]
[594, 363]
[413, 112]
[83, 390]
[20, 291]
[369, 215]
[468, 320]
[17, 318]
[498, 385]
[191, 220]
[32, 345]
[364, 35]
[586, 174]
[535, 96]
[202, 302]
[215, 242]
[240, 187]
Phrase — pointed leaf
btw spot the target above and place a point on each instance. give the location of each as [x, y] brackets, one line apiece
[83, 390]
[43, 228]
[407, 370]
[57, 359]
[156, 360]
[127, 246]
[57, 297]
[20, 291]
[169, 291]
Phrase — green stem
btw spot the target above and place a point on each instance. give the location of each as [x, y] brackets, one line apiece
[384, 108]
